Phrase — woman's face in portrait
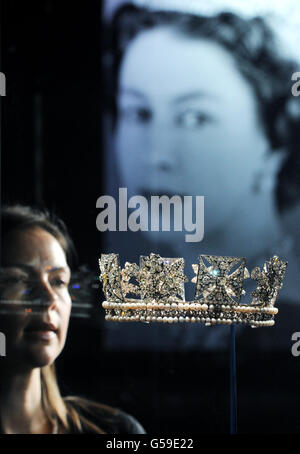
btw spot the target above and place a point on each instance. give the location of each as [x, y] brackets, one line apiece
[35, 297]
[188, 124]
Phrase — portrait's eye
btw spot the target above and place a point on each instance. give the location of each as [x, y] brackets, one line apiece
[193, 118]
[135, 114]
[20, 283]
[10, 278]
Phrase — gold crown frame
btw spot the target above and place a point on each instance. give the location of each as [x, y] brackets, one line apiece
[154, 291]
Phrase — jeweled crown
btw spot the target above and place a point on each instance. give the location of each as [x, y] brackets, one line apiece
[154, 291]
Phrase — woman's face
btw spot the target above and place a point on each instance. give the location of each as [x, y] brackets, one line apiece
[35, 297]
[188, 124]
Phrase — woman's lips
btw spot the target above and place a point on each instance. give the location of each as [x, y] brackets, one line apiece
[42, 335]
[43, 331]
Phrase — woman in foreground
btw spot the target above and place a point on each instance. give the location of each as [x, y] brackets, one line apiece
[35, 308]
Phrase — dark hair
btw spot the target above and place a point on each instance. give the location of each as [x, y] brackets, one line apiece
[21, 217]
[254, 47]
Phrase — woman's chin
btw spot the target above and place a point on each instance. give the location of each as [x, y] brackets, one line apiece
[42, 357]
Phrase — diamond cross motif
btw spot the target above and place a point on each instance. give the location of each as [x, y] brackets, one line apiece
[215, 283]
[162, 278]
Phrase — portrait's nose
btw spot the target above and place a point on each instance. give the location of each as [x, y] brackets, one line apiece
[162, 150]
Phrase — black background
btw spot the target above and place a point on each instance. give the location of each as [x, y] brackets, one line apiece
[51, 154]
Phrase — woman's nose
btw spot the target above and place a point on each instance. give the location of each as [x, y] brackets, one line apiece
[45, 294]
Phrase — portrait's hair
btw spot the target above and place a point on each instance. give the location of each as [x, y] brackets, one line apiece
[73, 414]
[256, 52]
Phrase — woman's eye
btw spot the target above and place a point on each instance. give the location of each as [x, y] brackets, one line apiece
[59, 283]
[192, 118]
[134, 114]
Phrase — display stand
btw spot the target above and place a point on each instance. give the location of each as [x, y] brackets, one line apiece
[233, 384]
[159, 288]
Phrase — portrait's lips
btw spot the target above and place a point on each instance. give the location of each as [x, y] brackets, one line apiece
[158, 192]
[41, 330]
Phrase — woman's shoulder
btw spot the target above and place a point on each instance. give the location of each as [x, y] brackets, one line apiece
[100, 418]
[128, 424]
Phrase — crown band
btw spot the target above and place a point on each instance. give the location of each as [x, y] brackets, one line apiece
[159, 286]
